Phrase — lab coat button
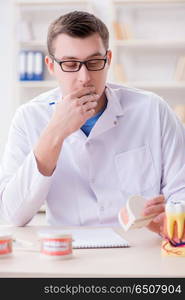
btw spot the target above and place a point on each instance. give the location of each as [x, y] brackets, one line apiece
[115, 122]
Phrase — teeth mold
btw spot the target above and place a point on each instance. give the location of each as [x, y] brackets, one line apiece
[175, 216]
[175, 213]
[130, 216]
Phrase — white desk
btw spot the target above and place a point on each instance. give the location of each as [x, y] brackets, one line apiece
[142, 259]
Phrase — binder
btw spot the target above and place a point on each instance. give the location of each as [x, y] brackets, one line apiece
[38, 65]
[180, 69]
[30, 65]
[120, 73]
[23, 65]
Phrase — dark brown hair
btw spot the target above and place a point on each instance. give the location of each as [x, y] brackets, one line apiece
[77, 24]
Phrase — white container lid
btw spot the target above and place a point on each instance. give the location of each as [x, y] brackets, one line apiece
[54, 233]
[5, 236]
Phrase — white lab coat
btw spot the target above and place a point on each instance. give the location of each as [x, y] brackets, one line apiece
[137, 146]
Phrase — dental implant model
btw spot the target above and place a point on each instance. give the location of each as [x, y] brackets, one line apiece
[130, 216]
[174, 229]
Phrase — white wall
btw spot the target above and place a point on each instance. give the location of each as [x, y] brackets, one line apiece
[7, 59]
[6, 70]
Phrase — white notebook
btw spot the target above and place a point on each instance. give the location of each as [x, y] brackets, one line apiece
[97, 238]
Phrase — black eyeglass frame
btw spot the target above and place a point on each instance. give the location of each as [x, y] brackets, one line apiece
[81, 63]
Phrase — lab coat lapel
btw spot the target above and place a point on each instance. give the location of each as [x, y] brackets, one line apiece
[109, 118]
[77, 135]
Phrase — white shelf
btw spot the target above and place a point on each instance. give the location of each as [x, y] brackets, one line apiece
[139, 84]
[146, 1]
[32, 44]
[51, 3]
[150, 43]
[171, 85]
[38, 84]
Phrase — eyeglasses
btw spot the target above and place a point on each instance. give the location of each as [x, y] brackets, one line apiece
[75, 65]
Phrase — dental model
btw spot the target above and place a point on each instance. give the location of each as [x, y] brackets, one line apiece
[175, 212]
[130, 216]
[175, 228]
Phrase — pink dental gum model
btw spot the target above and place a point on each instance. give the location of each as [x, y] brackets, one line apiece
[174, 229]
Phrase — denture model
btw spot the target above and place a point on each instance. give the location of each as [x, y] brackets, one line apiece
[175, 229]
[130, 216]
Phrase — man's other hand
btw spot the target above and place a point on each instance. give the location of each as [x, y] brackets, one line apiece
[156, 206]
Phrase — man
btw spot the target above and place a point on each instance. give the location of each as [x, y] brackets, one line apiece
[87, 146]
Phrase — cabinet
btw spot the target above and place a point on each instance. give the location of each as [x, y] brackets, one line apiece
[148, 41]
[32, 19]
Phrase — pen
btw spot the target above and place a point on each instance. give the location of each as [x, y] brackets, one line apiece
[51, 103]
[54, 102]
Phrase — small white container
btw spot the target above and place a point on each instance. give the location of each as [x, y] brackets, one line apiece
[55, 244]
[6, 242]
